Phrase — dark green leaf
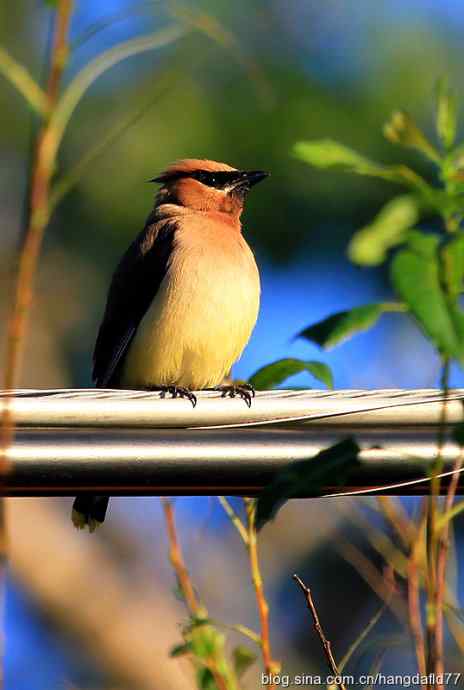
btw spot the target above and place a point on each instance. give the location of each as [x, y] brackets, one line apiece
[205, 679]
[181, 649]
[305, 478]
[276, 373]
[243, 659]
[342, 325]
[51, 3]
[446, 121]
[415, 275]
[369, 245]
[453, 262]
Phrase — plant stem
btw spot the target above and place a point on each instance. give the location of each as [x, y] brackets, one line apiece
[42, 171]
[177, 560]
[443, 548]
[270, 665]
[318, 628]
[235, 519]
[415, 617]
[433, 625]
[196, 609]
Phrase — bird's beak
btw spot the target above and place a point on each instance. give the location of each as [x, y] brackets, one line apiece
[255, 176]
[245, 180]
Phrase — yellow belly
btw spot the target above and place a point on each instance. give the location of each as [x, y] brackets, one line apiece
[199, 322]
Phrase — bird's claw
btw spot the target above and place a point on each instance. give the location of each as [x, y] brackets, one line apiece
[178, 392]
[245, 391]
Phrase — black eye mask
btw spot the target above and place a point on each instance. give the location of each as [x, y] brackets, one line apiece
[220, 179]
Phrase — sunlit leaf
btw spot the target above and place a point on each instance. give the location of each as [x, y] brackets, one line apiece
[415, 273]
[243, 659]
[369, 246]
[453, 261]
[276, 373]
[446, 120]
[402, 129]
[327, 153]
[305, 478]
[344, 324]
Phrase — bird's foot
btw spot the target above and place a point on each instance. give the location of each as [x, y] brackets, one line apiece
[243, 390]
[177, 392]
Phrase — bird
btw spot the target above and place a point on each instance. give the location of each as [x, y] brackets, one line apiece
[184, 298]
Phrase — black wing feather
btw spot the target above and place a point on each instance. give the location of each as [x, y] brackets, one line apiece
[133, 287]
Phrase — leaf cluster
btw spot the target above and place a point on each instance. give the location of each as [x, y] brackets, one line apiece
[426, 270]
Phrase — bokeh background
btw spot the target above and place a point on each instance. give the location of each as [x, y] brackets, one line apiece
[98, 612]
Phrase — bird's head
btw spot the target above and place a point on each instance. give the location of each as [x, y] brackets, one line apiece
[204, 185]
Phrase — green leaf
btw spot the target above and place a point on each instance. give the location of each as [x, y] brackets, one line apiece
[326, 153]
[273, 374]
[205, 679]
[453, 262]
[369, 245]
[402, 129]
[305, 478]
[342, 325]
[446, 120]
[181, 649]
[415, 274]
[243, 659]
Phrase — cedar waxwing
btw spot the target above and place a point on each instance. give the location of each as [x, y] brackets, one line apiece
[184, 298]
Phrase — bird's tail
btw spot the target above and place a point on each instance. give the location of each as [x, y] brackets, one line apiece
[89, 511]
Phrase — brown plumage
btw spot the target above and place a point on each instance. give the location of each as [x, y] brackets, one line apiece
[185, 296]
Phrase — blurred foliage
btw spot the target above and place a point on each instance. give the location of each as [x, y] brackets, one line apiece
[428, 272]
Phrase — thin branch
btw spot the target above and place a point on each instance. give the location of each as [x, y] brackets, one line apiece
[196, 609]
[318, 628]
[235, 519]
[360, 639]
[372, 576]
[393, 512]
[270, 665]
[415, 616]
[442, 558]
[434, 625]
[38, 218]
[101, 64]
[23, 82]
[177, 561]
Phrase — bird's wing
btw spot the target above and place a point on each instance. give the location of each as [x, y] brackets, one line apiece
[133, 287]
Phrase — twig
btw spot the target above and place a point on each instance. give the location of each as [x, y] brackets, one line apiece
[434, 626]
[38, 217]
[235, 519]
[177, 561]
[318, 628]
[392, 511]
[196, 609]
[270, 665]
[415, 617]
[360, 639]
[442, 558]
[18, 75]
[371, 575]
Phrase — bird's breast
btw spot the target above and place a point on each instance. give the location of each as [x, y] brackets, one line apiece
[202, 316]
